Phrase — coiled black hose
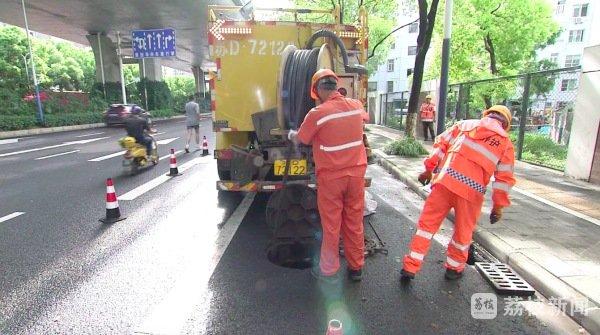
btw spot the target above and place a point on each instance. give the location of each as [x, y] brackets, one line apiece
[296, 101]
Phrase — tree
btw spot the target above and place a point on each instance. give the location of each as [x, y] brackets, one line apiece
[493, 38]
[427, 16]
[381, 20]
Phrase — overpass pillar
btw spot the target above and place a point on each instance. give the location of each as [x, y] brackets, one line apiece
[199, 81]
[107, 61]
[151, 69]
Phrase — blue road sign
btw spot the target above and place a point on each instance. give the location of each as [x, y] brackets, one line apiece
[153, 43]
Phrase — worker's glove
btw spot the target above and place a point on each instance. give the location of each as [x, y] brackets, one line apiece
[425, 177]
[496, 214]
[293, 136]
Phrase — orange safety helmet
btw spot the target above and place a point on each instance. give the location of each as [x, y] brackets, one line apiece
[502, 110]
[320, 74]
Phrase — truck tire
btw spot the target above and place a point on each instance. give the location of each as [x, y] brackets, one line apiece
[224, 175]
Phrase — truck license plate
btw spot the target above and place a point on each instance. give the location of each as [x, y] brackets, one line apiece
[297, 167]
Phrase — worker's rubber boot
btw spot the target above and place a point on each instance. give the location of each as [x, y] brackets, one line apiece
[355, 275]
[453, 274]
[406, 276]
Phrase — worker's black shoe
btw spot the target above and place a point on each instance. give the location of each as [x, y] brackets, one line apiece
[453, 274]
[316, 272]
[355, 275]
[406, 276]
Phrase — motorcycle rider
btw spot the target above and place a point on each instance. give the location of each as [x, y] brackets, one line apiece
[137, 127]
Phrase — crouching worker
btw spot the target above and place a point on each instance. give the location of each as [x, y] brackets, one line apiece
[467, 155]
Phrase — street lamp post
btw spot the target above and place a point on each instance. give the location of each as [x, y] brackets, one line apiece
[40, 116]
[445, 65]
[26, 70]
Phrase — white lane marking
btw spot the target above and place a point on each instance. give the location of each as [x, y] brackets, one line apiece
[169, 155]
[171, 315]
[11, 216]
[99, 159]
[92, 134]
[162, 133]
[53, 146]
[136, 192]
[9, 141]
[167, 140]
[56, 155]
[557, 206]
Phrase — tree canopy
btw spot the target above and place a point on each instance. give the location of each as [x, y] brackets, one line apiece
[492, 38]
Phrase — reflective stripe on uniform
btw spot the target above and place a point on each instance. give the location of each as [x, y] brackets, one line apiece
[452, 262]
[342, 146]
[482, 150]
[424, 234]
[338, 115]
[459, 246]
[464, 179]
[416, 255]
[447, 137]
[501, 186]
[505, 167]
[439, 153]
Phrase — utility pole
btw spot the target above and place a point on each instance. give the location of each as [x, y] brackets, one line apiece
[26, 70]
[441, 124]
[40, 115]
[120, 56]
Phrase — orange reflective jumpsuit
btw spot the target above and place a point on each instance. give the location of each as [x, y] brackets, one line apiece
[467, 155]
[335, 129]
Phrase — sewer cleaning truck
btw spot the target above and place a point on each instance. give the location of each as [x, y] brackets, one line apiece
[259, 89]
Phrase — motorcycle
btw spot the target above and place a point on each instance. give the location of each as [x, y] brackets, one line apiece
[136, 156]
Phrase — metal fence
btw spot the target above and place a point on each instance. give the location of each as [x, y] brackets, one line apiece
[393, 108]
[542, 104]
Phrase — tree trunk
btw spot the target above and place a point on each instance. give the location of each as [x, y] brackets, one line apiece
[426, 24]
[489, 47]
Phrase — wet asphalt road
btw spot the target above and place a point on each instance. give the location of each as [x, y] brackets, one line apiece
[179, 264]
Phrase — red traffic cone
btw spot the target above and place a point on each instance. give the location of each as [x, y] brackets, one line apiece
[173, 170]
[334, 327]
[113, 214]
[204, 146]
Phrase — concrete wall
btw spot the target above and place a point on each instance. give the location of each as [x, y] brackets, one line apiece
[586, 117]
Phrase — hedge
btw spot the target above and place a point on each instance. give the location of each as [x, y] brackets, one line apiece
[19, 122]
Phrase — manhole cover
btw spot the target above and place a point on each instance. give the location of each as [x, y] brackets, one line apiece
[504, 279]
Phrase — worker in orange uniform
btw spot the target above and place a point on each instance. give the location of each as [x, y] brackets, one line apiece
[335, 129]
[428, 117]
[466, 155]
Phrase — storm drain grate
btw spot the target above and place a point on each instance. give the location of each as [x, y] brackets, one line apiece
[504, 279]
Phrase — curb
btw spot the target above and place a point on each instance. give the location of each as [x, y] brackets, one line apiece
[41, 131]
[542, 280]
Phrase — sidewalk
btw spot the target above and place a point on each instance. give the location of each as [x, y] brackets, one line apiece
[550, 235]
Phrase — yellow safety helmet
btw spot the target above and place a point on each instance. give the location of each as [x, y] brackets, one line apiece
[429, 96]
[320, 74]
[502, 110]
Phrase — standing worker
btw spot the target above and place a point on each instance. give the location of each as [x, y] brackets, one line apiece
[335, 129]
[192, 122]
[428, 117]
[467, 155]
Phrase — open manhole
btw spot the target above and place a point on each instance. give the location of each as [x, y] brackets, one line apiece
[504, 279]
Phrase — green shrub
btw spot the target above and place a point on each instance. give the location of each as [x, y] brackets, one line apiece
[167, 112]
[17, 122]
[395, 122]
[59, 120]
[540, 149]
[408, 147]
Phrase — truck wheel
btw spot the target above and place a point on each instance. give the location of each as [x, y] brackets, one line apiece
[224, 175]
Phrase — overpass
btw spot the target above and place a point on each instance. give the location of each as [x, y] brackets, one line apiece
[96, 23]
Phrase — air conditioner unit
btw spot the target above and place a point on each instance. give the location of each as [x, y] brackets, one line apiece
[577, 20]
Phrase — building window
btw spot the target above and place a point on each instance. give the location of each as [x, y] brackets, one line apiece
[390, 86]
[390, 65]
[393, 45]
[572, 60]
[409, 72]
[554, 58]
[568, 85]
[413, 28]
[412, 51]
[372, 86]
[580, 10]
[560, 7]
[575, 35]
